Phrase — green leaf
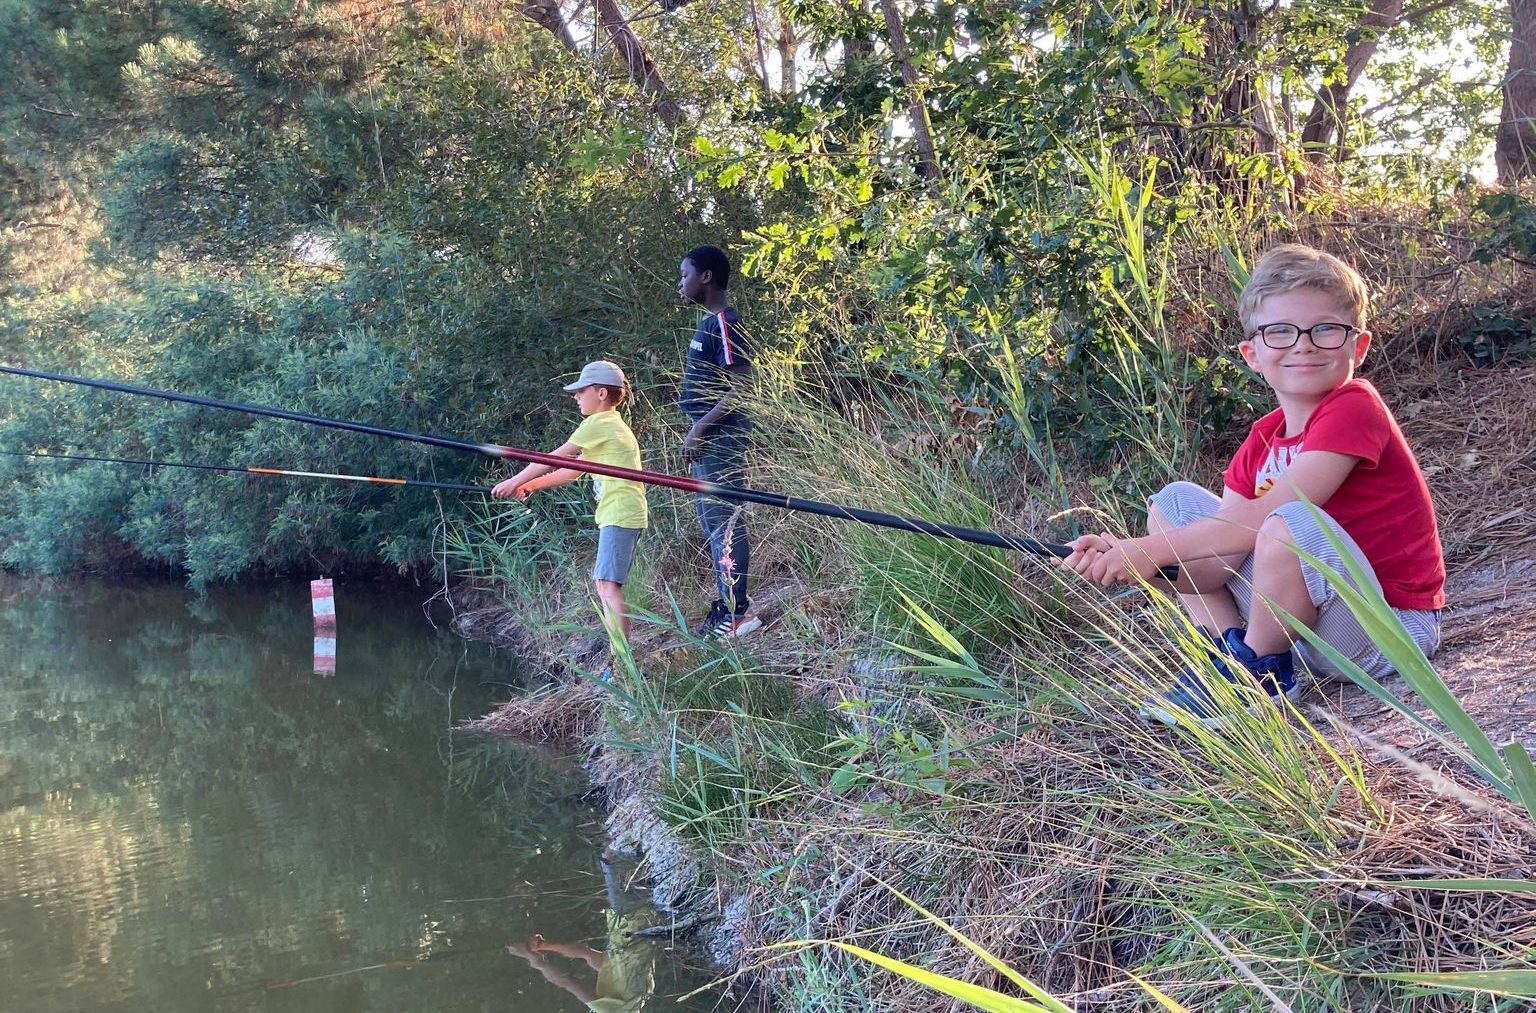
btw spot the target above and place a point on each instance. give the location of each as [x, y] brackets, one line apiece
[844, 778]
[976, 995]
[1508, 981]
[1460, 885]
[1523, 774]
[731, 175]
[937, 632]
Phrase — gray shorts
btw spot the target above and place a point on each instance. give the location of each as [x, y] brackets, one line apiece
[1184, 502]
[615, 552]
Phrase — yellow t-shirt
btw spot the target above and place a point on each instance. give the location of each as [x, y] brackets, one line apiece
[628, 975]
[604, 438]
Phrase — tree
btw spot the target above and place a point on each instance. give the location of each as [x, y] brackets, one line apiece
[1326, 120]
[1515, 140]
[917, 111]
[1233, 36]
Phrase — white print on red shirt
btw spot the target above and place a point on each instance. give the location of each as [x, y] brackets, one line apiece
[1273, 466]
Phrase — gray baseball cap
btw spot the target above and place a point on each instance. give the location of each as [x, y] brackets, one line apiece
[602, 371]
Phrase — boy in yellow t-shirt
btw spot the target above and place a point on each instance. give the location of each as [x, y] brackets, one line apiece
[603, 438]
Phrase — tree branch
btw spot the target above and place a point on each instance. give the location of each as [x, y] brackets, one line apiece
[1418, 14]
[928, 161]
[642, 69]
[546, 14]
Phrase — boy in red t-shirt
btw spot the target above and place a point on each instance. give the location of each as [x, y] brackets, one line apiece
[1332, 443]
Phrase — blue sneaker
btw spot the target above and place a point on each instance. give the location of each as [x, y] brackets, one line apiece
[1191, 698]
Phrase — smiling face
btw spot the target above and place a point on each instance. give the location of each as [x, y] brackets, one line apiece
[1303, 374]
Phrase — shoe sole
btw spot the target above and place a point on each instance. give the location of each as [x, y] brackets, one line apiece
[750, 626]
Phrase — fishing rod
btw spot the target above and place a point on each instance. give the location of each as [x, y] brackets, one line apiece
[975, 536]
[237, 469]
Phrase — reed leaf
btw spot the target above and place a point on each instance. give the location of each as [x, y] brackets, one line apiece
[1516, 982]
[1386, 630]
[1523, 774]
[976, 995]
[1463, 885]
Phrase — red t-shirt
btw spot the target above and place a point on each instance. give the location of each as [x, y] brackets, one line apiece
[1383, 503]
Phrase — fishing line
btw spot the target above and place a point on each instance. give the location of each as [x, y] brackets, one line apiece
[975, 536]
[237, 469]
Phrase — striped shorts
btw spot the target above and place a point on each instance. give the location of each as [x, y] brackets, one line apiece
[1185, 502]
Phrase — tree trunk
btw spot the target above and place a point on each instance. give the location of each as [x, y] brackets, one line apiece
[1325, 124]
[1239, 118]
[546, 14]
[787, 46]
[928, 162]
[642, 69]
[1514, 143]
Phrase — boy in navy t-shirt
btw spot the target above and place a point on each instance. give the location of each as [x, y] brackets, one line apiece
[716, 373]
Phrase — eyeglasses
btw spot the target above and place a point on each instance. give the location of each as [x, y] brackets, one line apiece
[1329, 335]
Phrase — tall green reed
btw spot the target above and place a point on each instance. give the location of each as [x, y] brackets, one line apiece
[1508, 770]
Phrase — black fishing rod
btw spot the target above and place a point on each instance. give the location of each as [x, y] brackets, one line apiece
[237, 469]
[975, 536]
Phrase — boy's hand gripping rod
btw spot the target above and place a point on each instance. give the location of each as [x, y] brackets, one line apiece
[976, 536]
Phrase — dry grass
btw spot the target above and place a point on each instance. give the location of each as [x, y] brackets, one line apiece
[1474, 431]
[1050, 856]
[568, 713]
[1078, 846]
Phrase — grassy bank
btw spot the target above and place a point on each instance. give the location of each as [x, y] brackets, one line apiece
[959, 725]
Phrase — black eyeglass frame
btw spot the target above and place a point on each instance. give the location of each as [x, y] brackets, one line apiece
[1350, 332]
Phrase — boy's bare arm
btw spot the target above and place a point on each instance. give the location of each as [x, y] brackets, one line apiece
[559, 476]
[741, 384]
[554, 975]
[1231, 531]
[508, 488]
[1315, 475]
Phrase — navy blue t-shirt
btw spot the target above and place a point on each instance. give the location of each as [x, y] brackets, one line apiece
[718, 347]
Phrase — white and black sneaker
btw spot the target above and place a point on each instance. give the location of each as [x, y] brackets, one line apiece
[718, 613]
[730, 627]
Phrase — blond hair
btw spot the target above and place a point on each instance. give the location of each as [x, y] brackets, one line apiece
[1292, 266]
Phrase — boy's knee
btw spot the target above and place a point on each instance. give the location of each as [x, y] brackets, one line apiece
[1276, 556]
[1276, 530]
[1292, 523]
[1179, 503]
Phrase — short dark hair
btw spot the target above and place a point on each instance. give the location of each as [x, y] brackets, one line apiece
[713, 260]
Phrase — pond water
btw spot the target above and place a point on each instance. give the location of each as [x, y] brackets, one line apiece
[193, 819]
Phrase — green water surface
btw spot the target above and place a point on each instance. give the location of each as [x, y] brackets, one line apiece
[191, 819]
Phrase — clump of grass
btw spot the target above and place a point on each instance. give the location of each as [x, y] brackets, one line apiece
[1001, 779]
[992, 770]
[959, 724]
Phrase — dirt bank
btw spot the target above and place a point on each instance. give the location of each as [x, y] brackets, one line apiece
[1030, 829]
